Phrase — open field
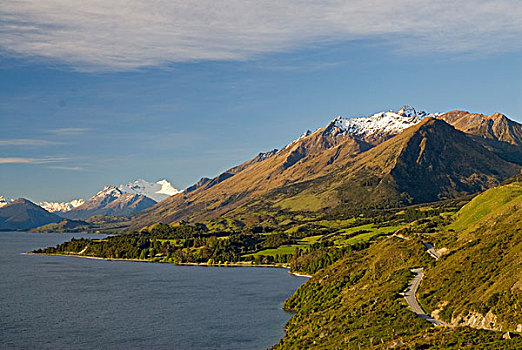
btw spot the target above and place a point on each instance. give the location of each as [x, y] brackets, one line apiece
[288, 249]
[367, 232]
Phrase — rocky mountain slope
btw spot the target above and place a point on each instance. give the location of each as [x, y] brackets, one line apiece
[22, 214]
[387, 159]
[427, 162]
[496, 132]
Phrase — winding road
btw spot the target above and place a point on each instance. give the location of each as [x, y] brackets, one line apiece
[410, 294]
[431, 250]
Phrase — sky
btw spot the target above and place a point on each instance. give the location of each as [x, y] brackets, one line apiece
[105, 92]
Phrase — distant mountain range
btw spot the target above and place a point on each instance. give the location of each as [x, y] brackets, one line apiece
[157, 191]
[123, 200]
[111, 201]
[51, 207]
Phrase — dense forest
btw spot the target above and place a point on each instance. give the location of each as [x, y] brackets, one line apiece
[259, 244]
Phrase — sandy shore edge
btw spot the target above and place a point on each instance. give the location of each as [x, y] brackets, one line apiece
[234, 264]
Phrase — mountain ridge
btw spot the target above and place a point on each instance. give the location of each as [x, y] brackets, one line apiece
[495, 132]
[321, 153]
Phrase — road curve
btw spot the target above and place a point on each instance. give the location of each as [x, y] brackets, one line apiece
[431, 250]
[411, 299]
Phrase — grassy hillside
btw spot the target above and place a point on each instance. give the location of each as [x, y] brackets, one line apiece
[457, 338]
[479, 282]
[490, 202]
[94, 224]
[356, 301]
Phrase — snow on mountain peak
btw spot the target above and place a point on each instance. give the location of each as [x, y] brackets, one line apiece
[156, 191]
[62, 207]
[409, 111]
[383, 123]
[109, 191]
[166, 188]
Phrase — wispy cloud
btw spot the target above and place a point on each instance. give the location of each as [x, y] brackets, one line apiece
[22, 160]
[67, 131]
[71, 168]
[104, 35]
[28, 142]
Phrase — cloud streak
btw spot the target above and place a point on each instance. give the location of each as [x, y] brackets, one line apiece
[114, 36]
[71, 168]
[67, 131]
[22, 160]
[28, 142]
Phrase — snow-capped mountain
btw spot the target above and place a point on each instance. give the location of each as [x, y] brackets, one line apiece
[157, 191]
[61, 207]
[379, 124]
[4, 201]
[110, 201]
[401, 157]
[107, 195]
[154, 191]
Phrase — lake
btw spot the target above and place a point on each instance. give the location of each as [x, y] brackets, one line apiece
[53, 302]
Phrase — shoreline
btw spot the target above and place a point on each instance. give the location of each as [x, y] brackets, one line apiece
[233, 264]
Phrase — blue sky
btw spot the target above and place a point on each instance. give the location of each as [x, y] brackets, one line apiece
[92, 94]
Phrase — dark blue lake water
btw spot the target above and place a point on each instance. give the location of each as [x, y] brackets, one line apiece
[54, 302]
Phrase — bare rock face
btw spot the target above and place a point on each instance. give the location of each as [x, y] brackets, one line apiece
[477, 320]
[506, 335]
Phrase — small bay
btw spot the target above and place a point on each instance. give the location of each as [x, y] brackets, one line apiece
[50, 302]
